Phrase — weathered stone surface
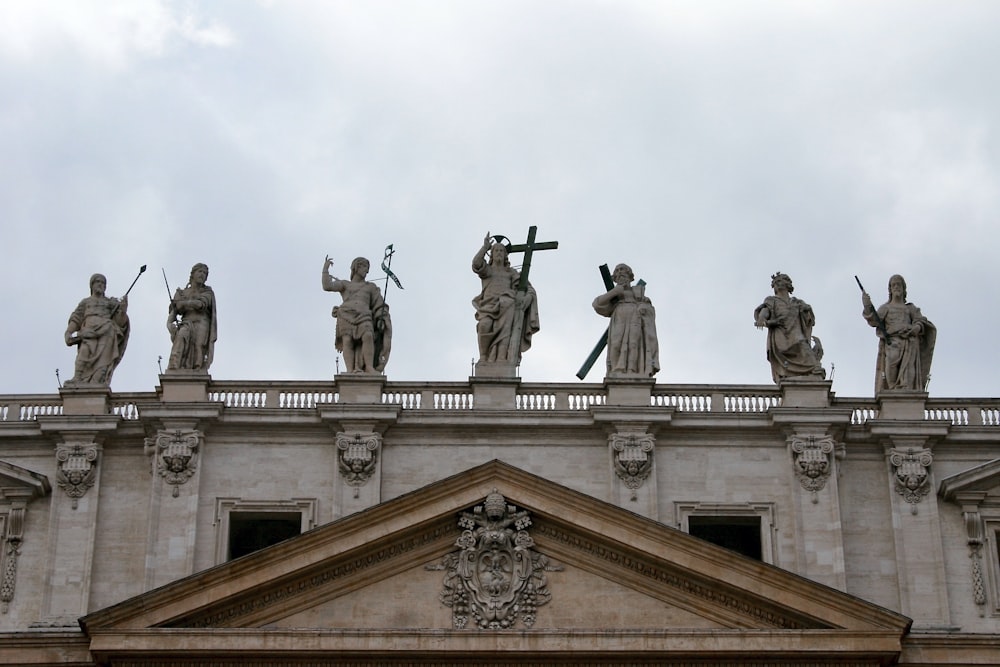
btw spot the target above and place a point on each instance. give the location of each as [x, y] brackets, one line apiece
[364, 329]
[99, 327]
[192, 322]
[633, 348]
[906, 340]
[789, 322]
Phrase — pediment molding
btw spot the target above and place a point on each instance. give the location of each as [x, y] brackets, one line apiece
[758, 608]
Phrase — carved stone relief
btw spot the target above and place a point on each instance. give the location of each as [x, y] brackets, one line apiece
[175, 455]
[974, 528]
[813, 461]
[357, 457]
[912, 471]
[496, 576]
[13, 534]
[76, 469]
[633, 458]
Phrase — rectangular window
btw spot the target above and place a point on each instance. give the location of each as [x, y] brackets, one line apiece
[244, 526]
[253, 531]
[747, 528]
[739, 533]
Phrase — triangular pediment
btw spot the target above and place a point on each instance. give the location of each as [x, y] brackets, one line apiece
[404, 577]
[982, 479]
[20, 483]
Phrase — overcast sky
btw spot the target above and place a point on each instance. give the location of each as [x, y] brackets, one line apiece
[706, 144]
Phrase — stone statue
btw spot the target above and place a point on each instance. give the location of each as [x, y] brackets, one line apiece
[633, 350]
[99, 327]
[500, 308]
[192, 322]
[364, 329]
[906, 340]
[789, 323]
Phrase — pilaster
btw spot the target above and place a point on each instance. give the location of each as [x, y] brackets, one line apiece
[813, 436]
[73, 514]
[907, 440]
[175, 447]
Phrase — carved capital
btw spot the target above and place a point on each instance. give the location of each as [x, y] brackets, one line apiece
[357, 456]
[76, 468]
[632, 454]
[495, 576]
[813, 460]
[911, 468]
[175, 455]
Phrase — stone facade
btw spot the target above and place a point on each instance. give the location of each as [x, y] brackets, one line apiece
[494, 521]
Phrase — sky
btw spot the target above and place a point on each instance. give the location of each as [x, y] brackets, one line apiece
[706, 144]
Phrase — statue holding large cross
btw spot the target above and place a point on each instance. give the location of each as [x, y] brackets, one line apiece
[507, 306]
[633, 349]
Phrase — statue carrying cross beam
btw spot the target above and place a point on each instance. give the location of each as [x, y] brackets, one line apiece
[633, 349]
[507, 306]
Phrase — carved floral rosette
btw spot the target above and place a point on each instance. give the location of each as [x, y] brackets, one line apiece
[76, 469]
[633, 457]
[912, 472]
[175, 455]
[813, 460]
[496, 576]
[357, 456]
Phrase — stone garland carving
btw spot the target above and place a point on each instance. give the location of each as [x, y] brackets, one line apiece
[175, 455]
[974, 528]
[912, 471]
[12, 549]
[633, 458]
[76, 469]
[357, 457]
[813, 462]
[496, 576]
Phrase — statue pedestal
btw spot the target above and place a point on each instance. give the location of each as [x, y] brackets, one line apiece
[184, 386]
[88, 399]
[901, 404]
[805, 393]
[494, 393]
[360, 387]
[495, 369]
[629, 391]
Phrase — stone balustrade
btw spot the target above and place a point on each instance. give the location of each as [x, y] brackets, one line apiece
[689, 398]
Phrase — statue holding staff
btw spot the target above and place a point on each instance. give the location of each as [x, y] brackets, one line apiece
[906, 339]
[99, 328]
[364, 329]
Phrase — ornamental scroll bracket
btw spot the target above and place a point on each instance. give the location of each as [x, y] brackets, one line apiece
[911, 469]
[76, 469]
[175, 455]
[813, 460]
[357, 457]
[496, 577]
[632, 455]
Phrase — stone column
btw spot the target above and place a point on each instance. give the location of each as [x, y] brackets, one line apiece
[72, 530]
[812, 429]
[175, 457]
[819, 535]
[908, 438]
[923, 588]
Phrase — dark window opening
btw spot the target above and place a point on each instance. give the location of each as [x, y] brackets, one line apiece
[739, 533]
[252, 531]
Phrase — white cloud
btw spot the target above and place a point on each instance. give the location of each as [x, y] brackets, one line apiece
[111, 33]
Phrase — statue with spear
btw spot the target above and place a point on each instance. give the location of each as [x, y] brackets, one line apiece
[99, 328]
